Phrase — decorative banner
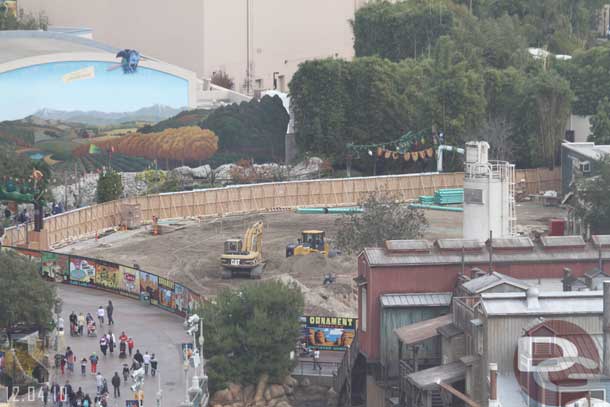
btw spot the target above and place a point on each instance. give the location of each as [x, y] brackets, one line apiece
[167, 298]
[430, 152]
[55, 266]
[406, 156]
[82, 271]
[129, 281]
[422, 154]
[78, 75]
[132, 403]
[330, 333]
[187, 351]
[107, 275]
[150, 283]
[180, 298]
[194, 300]
[414, 156]
[1, 362]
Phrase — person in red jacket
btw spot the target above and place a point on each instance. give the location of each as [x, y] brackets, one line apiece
[130, 345]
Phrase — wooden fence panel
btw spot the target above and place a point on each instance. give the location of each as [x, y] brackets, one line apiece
[261, 197]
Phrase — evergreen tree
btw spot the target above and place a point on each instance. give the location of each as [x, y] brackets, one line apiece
[600, 123]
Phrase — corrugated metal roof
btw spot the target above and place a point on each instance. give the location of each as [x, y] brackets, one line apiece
[604, 240]
[562, 241]
[522, 242]
[379, 257]
[415, 300]
[480, 284]
[407, 245]
[458, 244]
[549, 303]
[421, 331]
[450, 330]
[590, 150]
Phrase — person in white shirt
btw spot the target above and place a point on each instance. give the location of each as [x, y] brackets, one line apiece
[100, 314]
[146, 362]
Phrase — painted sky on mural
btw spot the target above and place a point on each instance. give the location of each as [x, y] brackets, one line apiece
[27, 90]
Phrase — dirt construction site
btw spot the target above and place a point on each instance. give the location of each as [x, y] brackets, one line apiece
[188, 251]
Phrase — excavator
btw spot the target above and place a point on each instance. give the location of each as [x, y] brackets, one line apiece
[244, 257]
[312, 242]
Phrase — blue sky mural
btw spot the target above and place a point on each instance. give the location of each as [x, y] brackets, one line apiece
[27, 90]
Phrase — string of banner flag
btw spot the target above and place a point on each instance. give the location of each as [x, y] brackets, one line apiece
[411, 146]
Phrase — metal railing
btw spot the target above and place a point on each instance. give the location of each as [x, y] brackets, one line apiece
[310, 368]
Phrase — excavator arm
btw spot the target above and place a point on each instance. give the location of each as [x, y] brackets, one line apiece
[253, 239]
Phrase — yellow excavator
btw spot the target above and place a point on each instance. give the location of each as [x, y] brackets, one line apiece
[244, 257]
[311, 242]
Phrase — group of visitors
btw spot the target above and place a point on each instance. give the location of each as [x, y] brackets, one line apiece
[64, 396]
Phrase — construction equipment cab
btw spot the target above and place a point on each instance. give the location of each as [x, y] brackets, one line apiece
[312, 242]
[244, 257]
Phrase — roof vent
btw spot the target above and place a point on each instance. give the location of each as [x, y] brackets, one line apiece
[407, 246]
[532, 298]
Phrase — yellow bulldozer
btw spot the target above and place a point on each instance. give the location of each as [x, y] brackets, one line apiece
[311, 242]
[244, 257]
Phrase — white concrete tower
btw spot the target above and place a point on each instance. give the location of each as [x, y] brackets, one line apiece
[488, 194]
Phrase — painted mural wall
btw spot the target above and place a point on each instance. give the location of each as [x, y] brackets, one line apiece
[87, 86]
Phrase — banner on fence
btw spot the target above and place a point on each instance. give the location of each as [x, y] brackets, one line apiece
[107, 275]
[129, 281]
[82, 271]
[150, 283]
[329, 333]
[55, 266]
[167, 296]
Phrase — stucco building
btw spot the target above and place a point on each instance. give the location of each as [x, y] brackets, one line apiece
[204, 36]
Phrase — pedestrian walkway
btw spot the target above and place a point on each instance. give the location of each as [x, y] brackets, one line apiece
[153, 330]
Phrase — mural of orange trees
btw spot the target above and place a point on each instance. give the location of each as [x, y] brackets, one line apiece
[188, 144]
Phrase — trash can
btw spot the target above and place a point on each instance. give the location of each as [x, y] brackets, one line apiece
[145, 297]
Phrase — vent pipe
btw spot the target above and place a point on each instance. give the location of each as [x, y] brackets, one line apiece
[606, 322]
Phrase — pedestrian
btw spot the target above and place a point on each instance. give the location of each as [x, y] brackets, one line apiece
[45, 393]
[146, 359]
[87, 401]
[138, 357]
[109, 311]
[111, 341]
[78, 397]
[130, 345]
[68, 392]
[73, 321]
[81, 323]
[70, 359]
[83, 366]
[88, 318]
[99, 382]
[55, 393]
[100, 315]
[60, 325]
[93, 358]
[104, 344]
[153, 365]
[316, 359]
[63, 364]
[116, 383]
[125, 372]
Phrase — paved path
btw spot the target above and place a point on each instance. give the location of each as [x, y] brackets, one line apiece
[153, 330]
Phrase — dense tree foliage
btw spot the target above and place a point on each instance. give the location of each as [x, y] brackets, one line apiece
[600, 123]
[470, 75]
[251, 331]
[592, 203]
[385, 217]
[21, 21]
[109, 186]
[20, 167]
[255, 129]
[26, 298]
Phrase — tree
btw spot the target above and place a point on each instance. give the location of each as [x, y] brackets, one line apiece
[26, 298]
[600, 123]
[549, 99]
[591, 197]
[383, 218]
[21, 20]
[250, 332]
[221, 78]
[109, 186]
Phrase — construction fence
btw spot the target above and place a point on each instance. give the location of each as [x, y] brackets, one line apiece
[116, 278]
[239, 199]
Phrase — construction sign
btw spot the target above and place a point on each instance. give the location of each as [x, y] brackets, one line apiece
[329, 333]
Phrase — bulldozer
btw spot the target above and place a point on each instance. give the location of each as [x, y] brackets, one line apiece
[311, 242]
[244, 257]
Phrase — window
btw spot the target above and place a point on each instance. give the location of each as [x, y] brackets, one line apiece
[363, 309]
[585, 167]
[282, 83]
